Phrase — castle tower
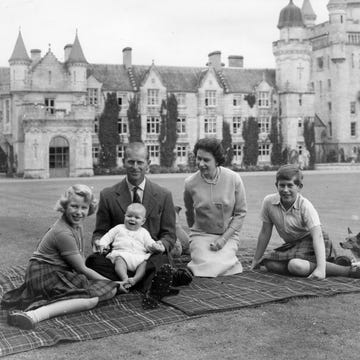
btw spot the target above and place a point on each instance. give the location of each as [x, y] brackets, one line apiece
[77, 66]
[293, 70]
[19, 66]
[309, 15]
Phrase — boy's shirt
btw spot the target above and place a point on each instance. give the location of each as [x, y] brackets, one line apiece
[292, 224]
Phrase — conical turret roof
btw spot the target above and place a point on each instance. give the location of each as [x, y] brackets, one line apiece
[19, 52]
[290, 16]
[76, 55]
[307, 9]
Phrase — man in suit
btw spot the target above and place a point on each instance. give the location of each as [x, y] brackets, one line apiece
[160, 222]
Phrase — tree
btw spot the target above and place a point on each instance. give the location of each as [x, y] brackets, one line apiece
[250, 134]
[227, 143]
[276, 141]
[309, 138]
[134, 120]
[108, 132]
[168, 134]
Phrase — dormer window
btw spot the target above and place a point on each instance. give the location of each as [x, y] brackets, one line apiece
[264, 99]
[210, 98]
[92, 96]
[153, 97]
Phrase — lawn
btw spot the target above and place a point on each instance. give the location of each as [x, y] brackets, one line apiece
[299, 329]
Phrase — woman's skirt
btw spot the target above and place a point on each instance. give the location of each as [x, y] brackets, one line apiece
[45, 283]
[207, 263]
[301, 249]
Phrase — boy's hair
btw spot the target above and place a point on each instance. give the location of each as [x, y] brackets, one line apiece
[137, 207]
[80, 190]
[290, 172]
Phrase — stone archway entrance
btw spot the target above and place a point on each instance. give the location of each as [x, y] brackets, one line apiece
[59, 157]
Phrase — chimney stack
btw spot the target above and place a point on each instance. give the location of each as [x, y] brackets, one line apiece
[215, 59]
[127, 57]
[236, 61]
[35, 55]
[67, 51]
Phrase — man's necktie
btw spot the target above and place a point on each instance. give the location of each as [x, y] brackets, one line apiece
[136, 197]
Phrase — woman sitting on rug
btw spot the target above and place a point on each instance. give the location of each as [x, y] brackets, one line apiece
[57, 282]
[307, 248]
[215, 206]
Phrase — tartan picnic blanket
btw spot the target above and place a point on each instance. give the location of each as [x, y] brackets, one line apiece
[124, 313]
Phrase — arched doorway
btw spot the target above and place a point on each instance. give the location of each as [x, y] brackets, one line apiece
[59, 157]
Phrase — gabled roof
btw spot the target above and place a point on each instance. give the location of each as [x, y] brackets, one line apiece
[76, 55]
[245, 80]
[113, 77]
[179, 78]
[19, 52]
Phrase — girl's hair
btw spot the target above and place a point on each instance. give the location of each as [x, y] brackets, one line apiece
[289, 172]
[80, 190]
[214, 147]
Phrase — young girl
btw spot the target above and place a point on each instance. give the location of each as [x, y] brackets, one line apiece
[57, 282]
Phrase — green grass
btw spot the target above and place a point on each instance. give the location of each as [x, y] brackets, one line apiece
[317, 328]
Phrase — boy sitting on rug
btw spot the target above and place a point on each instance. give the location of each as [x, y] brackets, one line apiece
[57, 281]
[131, 245]
[307, 248]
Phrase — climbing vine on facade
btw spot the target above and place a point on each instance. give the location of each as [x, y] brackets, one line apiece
[134, 119]
[250, 134]
[309, 138]
[227, 143]
[168, 134]
[276, 155]
[108, 132]
[251, 99]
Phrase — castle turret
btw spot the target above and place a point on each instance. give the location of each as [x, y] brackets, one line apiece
[293, 69]
[308, 13]
[77, 66]
[19, 66]
[337, 31]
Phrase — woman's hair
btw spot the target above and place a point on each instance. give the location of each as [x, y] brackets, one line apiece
[80, 190]
[289, 172]
[213, 146]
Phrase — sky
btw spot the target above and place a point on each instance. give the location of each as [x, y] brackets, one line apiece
[166, 32]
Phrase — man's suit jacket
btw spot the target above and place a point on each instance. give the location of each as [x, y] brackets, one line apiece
[160, 212]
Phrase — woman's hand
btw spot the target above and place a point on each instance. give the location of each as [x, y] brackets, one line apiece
[218, 244]
[158, 247]
[255, 265]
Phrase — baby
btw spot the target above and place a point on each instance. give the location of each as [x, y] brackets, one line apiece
[131, 245]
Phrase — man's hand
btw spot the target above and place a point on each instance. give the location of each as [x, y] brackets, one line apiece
[255, 265]
[97, 248]
[158, 247]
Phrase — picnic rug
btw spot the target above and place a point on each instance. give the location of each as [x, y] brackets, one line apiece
[124, 313]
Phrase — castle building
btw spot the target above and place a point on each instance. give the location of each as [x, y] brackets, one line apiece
[50, 109]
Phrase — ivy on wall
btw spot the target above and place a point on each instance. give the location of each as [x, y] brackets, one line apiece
[134, 120]
[250, 134]
[309, 138]
[227, 143]
[108, 132]
[251, 99]
[168, 134]
[276, 155]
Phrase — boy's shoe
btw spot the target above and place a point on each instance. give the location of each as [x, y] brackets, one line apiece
[343, 261]
[182, 277]
[21, 320]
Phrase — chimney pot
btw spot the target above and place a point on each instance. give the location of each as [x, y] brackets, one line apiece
[215, 59]
[236, 61]
[127, 61]
[35, 55]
